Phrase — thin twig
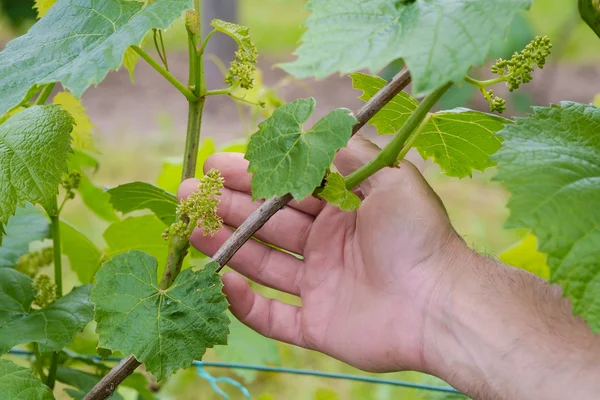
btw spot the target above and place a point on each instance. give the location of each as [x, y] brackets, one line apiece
[255, 221]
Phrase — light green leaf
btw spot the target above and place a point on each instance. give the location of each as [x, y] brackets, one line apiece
[550, 162]
[247, 347]
[82, 381]
[141, 196]
[53, 327]
[96, 199]
[27, 225]
[139, 233]
[461, 140]
[285, 159]
[164, 329]
[438, 39]
[239, 33]
[335, 192]
[395, 113]
[525, 255]
[20, 383]
[84, 256]
[34, 145]
[130, 61]
[77, 43]
[170, 176]
[82, 130]
[42, 6]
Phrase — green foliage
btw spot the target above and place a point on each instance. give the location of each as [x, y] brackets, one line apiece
[53, 327]
[20, 383]
[34, 145]
[84, 256]
[164, 329]
[243, 67]
[525, 255]
[439, 40]
[285, 159]
[27, 225]
[247, 347]
[590, 13]
[141, 196]
[82, 382]
[459, 140]
[335, 192]
[549, 161]
[74, 35]
[82, 131]
[31, 263]
[42, 6]
[172, 168]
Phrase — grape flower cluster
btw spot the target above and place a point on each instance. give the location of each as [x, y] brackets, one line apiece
[30, 263]
[199, 209]
[243, 68]
[45, 291]
[70, 182]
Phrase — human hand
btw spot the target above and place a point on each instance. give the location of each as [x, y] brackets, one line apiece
[367, 277]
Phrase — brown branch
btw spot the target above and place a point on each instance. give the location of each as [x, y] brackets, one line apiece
[253, 223]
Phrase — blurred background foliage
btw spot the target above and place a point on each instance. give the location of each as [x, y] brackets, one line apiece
[140, 130]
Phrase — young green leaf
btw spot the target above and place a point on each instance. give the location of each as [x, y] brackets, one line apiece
[550, 162]
[170, 175]
[590, 13]
[248, 347]
[461, 140]
[34, 146]
[53, 327]
[439, 40]
[164, 329]
[335, 192]
[285, 159]
[84, 256]
[82, 131]
[395, 113]
[42, 6]
[27, 225]
[243, 67]
[141, 196]
[20, 383]
[77, 43]
[525, 255]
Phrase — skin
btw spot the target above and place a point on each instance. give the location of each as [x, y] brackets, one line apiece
[393, 287]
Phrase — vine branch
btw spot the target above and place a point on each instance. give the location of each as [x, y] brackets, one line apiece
[255, 221]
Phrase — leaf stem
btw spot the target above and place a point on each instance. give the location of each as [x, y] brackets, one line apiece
[206, 40]
[52, 371]
[161, 70]
[409, 144]
[45, 93]
[39, 361]
[389, 155]
[244, 100]
[216, 92]
[484, 84]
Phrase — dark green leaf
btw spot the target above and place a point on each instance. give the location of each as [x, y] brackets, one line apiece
[96, 199]
[53, 327]
[550, 162]
[285, 159]
[18, 383]
[438, 39]
[141, 196]
[27, 225]
[590, 13]
[164, 329]
[34, 145]
[84, 256]
[77, 43]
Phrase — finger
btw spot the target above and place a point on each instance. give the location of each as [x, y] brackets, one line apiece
[234, 169]
[269, 317]
[360, 151]
[256, 261]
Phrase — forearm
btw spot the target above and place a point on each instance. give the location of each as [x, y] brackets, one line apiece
[502, 333]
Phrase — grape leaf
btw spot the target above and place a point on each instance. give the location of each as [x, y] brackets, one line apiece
[53, 327]
[27, 225]
[550, 163]
[82, 131]
[141, 196]
[84, 256]
[245, 346]
[34, 146]
[285, 159]
[20, 383]
[590, 13]
[438, 39]
[164, 329]
[77, 43]
[525, 255]
[239, 33]
[461, 140]
[139, 233]
[335, 192]
[395, 113]
[42, 6]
